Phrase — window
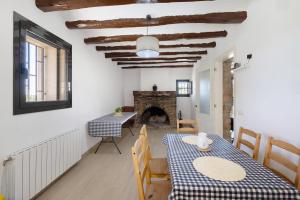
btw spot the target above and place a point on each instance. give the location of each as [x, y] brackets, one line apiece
[41, 81]
[42, 69]
[183, 88]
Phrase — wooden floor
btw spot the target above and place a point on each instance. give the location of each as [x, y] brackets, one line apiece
[106, 175]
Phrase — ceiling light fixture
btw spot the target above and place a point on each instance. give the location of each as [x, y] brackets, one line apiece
[147, 46]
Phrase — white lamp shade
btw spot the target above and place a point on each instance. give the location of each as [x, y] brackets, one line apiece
[147, 47]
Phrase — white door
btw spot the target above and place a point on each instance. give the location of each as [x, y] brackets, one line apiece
[204, 103]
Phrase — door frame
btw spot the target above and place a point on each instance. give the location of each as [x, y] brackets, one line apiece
[218, 90]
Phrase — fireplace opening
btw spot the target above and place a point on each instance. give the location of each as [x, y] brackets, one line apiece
[156, 117]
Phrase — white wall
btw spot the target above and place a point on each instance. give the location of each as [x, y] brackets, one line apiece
[96, 84]
[131, 82]
[164, 78]
[267, 93]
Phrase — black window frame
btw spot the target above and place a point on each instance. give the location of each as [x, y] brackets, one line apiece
[22, 27]
[177, 88]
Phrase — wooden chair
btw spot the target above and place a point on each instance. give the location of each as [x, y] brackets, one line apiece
[158, 190]
[253, 147]
[270, 155]
[187, 126]
[158, 167]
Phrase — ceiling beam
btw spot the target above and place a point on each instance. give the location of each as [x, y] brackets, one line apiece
[159, 58]
[133, 47]
[59, 5]
[160, 37]
[210, 18]
[148, 63]
[161, 66]
[133, 54]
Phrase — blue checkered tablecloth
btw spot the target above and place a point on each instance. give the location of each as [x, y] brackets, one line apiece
[188, 184]
[109, 125]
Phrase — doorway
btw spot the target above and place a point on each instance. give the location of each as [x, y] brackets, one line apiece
[228, 100]
[204, 101]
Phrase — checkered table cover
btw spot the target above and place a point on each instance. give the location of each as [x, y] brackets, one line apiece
[109, 125]
[188, 184]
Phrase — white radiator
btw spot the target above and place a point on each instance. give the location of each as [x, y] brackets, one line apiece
[34, 168]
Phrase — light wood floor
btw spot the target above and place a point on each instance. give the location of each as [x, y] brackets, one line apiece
[106, 175]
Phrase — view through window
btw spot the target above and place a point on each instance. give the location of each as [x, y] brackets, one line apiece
[183, 88]
[46, 76]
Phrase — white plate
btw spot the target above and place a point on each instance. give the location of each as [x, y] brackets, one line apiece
[192, 139]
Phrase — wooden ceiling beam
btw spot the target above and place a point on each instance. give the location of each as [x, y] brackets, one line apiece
[60, 5]
[160, 37]
[159, 58]
[133, 54]
[161, 66]
[149, 63]
[210, 18]
[133, 47]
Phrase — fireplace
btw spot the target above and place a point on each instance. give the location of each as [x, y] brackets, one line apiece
[157, 109]
[155, 116]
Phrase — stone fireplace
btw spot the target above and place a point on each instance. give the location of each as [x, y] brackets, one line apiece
[157, 109]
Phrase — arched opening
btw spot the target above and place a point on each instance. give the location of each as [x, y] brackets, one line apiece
[155, 116]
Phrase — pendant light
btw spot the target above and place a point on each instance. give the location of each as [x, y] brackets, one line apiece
[147, 46]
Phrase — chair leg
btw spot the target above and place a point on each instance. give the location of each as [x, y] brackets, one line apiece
[114, 142]
[131, 131]
[148, 178]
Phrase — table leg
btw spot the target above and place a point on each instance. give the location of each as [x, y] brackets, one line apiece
[131, 131]
[114, 142]
[99, 145]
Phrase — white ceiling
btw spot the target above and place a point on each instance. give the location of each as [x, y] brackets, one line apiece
[158, 10]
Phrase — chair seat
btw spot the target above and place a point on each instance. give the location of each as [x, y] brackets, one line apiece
[158, 190]
[159, 166]
[187, 130]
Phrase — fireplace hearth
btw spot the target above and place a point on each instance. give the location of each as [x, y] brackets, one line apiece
[156, 117]
[155, 108]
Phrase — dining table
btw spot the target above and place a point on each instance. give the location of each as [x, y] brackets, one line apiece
[109, 126]
[189, 184]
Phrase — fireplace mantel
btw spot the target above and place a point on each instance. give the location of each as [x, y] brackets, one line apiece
[154, 93]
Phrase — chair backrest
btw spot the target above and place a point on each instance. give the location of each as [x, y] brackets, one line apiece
[253, 147]
[270, 155]
[192, 123]
[143, 131]
[147, 148]
[140, 164]
[127, 109]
